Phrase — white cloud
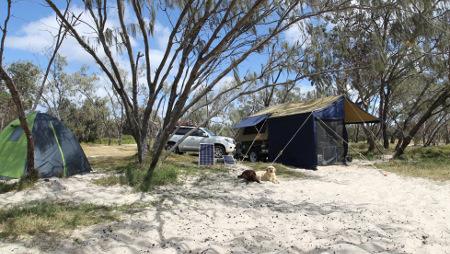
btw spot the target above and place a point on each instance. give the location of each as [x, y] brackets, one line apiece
[39, 37]
[297, 34]
[161, 34]
[224, 83]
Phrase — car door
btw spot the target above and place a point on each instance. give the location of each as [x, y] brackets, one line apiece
[183, 146]
[194, 140]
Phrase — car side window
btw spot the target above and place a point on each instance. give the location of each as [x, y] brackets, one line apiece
[182, 131]
[198, 133]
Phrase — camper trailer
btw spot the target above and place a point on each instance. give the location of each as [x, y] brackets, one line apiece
[303, 134]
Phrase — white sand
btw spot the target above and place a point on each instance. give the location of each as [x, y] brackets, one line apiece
[337, 210]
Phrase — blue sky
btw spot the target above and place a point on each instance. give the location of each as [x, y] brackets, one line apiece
[29, 39]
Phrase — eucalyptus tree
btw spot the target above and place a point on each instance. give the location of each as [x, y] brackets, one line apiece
[13, 86]
[384, 51]
[26, 76]
[15, 94]
[206, 42]
[63, 87]
[430, 23]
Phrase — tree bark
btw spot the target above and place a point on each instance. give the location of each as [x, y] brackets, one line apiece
[370, 140]
[384, 101]
[447, 134]
[15, 95]
[407, 140]
[31, 172]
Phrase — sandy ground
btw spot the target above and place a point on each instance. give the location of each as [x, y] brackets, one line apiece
[97, 150]
[337, 209]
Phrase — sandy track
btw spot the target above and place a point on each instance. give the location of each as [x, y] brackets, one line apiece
[337, 209]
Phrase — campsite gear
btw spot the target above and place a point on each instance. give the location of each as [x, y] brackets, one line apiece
[229, 160]
[206, 154]
[57, 152]
[298, 134]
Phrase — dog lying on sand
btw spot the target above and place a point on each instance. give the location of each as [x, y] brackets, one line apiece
[268, 175]
[249, 175]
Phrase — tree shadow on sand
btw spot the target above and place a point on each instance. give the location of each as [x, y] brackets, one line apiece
[183, 204]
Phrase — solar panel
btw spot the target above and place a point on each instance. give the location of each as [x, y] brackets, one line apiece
[228, 160]
[206, 154]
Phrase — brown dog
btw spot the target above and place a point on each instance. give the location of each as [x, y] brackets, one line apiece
[249, 175]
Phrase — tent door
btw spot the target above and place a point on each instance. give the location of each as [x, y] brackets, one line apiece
[330, 148]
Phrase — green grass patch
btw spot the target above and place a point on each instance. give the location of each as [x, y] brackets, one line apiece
[23, 183]
[427, 162]
[126, 139]
[128, 172]
[51, 217]
[109, 180]
[282, 170]
[112, 164]
[359, 151]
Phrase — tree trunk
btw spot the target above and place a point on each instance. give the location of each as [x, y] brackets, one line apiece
[356, 136]
[447, 134]
[142, 148]
[385, 136]
[158, 147]
[399, 142]
[370, 140]
[384, 101]
[371, 143]
[431, 139]
[407, 140]
[23, 121]
[392, 138]
[119, 138]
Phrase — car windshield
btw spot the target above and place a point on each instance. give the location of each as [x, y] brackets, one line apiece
[210, 133]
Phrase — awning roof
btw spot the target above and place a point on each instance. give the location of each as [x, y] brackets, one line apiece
[353, 113]
[296, 108]
[250, 121]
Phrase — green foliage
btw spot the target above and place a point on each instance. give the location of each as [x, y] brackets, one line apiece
[432, 152]
[71, 98]
[426, 162]
[26, 76]
[90, 121]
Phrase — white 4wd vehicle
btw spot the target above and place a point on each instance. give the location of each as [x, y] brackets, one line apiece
[222, 145]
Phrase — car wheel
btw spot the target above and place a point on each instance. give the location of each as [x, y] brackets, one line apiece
[253, 156]
[219, 151]
[170, 145]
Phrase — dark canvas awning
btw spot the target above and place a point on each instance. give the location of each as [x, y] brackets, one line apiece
[351, 112]
[251, 121]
